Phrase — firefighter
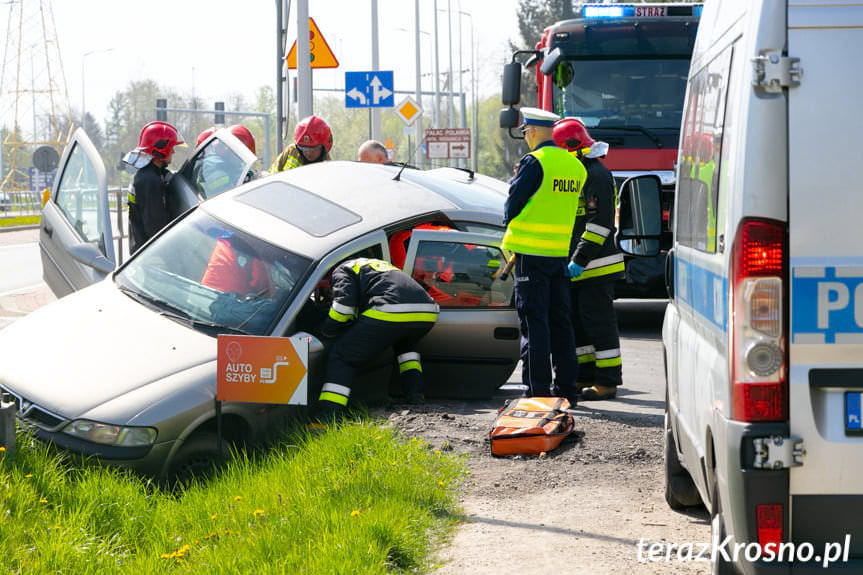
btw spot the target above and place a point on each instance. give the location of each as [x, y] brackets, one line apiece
[148, 211]
[596, 265]
[375, 306]
[313, 141]
[539, 215]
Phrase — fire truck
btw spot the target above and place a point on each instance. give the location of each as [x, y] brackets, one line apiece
[621, 69]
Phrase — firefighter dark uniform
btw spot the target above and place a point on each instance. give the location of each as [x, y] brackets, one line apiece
[593, 316]
[540, 213]
[375, 306]
[148, 212]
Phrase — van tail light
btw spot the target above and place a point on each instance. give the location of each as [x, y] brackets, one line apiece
[759, 390]
[769, 524]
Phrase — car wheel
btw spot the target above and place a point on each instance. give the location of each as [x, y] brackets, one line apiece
[198, 458]
[680, 490]
[718, 564]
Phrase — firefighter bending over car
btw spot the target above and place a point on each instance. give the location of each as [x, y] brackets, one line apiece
[539, 214]
[148, 208]
[313, 141]
[375, 306]
[594, 252]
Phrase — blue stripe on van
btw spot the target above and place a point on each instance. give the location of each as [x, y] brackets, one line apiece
[702, 290]
[824, 302]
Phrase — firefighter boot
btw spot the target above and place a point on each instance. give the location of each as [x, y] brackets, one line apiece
[598, 392]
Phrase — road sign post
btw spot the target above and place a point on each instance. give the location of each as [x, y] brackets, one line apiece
[447, 143]
[369, 89]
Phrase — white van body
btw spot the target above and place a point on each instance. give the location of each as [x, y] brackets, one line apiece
[771, 138]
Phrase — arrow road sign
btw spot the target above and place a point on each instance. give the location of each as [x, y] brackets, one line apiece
[369, 89]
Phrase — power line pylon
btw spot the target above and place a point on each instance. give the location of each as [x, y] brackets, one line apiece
[34, 100]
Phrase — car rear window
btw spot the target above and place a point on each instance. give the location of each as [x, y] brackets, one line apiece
[302, 209]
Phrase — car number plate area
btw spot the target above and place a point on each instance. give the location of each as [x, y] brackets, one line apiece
[853, 413]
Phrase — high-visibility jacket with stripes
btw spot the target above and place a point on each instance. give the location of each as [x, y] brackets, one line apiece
[544, 225]
[593, 234]
[377, 290]
[291, 158]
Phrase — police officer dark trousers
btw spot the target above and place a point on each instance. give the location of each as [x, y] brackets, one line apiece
[598, 264]
[375, 306]
[540, 213]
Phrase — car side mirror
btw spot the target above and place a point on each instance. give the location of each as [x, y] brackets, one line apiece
[89, 255]
[509, 118]
[551, 61]
[640, 212]
[511, 90]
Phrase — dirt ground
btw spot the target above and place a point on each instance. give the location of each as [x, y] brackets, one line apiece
[581, 509]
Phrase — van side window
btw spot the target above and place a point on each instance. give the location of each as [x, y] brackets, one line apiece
[701, 151]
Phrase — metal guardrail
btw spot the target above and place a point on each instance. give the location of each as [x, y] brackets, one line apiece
[20, 203]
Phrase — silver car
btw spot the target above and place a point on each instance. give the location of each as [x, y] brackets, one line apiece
[124, 369]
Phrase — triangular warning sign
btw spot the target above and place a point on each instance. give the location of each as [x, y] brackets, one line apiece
[321, 55]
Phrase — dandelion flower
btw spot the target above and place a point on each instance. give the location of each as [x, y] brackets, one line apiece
[2, 448]
[238, 497]
[213, 517]
[437, 452]
[258, 512]
[355, 513]
[28, 475]
[43, 501]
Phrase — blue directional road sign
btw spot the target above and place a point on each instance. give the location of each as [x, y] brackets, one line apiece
[369, 89]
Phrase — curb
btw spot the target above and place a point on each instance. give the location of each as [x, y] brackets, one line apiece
[3, 230]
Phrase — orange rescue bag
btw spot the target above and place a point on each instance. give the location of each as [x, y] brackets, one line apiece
[530, 426]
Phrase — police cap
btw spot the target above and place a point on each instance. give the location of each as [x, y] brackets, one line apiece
[537, 117]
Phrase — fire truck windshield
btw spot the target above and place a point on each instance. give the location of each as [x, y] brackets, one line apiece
[618, 93]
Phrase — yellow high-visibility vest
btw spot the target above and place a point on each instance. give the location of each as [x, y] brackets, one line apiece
[544, 226]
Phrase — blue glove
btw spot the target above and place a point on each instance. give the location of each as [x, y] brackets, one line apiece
[574, 270]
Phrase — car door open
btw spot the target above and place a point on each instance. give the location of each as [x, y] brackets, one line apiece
[76, 237]
[221, 163]
[474, 347]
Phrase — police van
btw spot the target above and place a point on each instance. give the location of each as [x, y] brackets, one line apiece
[763, 334]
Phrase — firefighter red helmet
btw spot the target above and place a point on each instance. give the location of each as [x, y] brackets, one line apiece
[204, 135]
[571, 134]
[244, 135]
[158, 139]
[313, 131]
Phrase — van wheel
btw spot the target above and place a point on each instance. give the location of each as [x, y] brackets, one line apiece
[680, 490]
[718, 565]
[198, 458]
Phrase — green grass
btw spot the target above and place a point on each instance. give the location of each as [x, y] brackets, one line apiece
[358, 499]
[18, 221]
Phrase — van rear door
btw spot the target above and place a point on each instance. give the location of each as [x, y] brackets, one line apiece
[826, 260]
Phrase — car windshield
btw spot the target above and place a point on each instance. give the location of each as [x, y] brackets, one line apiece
[645, 93]
[214, 277]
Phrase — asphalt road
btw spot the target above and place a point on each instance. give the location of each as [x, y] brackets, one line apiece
[20, 266]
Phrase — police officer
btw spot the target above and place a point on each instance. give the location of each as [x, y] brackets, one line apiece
[375, 306]
[539, 214]
[148, 211]
[313, 140]
[596, 265]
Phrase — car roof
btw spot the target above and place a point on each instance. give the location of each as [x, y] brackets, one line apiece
[324, 205]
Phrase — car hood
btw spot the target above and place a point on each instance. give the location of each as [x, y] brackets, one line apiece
[93, 346]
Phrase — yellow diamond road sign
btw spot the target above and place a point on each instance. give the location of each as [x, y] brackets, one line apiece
[408, 110]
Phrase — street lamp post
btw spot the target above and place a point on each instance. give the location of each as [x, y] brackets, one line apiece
[473, 87]
[83, 83]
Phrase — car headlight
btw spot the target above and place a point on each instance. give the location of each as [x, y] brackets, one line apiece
[107, 434]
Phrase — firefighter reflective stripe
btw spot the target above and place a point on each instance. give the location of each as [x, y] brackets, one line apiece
[595, 233]
[335, 393]
[401, 317]
[585, 353]
[601, 267]
[409, 356]
[408, 307]
[341, 312]
[338, 316]
[608, 357]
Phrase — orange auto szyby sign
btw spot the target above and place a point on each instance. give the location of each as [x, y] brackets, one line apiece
[254, 369]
